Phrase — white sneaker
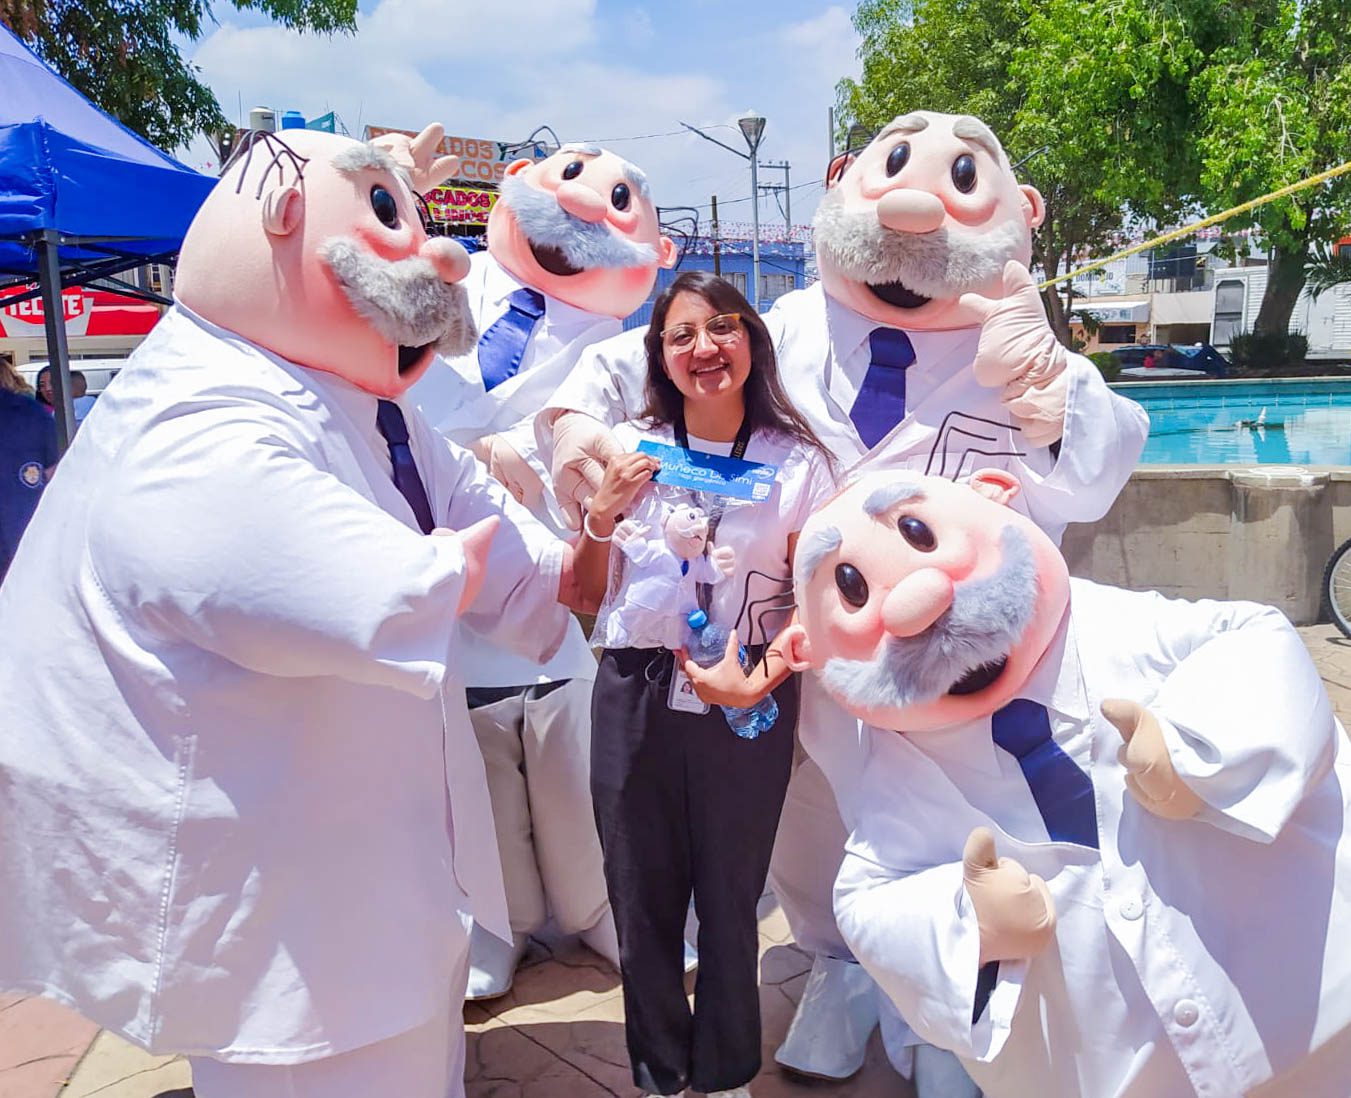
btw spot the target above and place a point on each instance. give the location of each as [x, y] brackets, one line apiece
[492, 964]
[828, 1037]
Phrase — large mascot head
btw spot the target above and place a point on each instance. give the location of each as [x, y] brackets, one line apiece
[311, 246]
[925, 603]
[580, 226]
[930, 210]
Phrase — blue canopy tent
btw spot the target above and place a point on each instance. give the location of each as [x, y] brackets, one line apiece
[82, 199]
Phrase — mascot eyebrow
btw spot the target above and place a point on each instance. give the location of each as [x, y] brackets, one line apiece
[942, 446]
[280, 154]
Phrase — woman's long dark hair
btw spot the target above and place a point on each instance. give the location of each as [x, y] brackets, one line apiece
[767, 405]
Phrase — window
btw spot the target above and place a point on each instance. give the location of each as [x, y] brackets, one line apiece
[737, 279]
[1116, 333]
[773, 286]
[1228, 311]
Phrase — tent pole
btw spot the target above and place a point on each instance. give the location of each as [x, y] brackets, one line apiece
[58, 354]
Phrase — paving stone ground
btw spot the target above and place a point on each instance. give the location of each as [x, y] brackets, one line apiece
[559, 1034]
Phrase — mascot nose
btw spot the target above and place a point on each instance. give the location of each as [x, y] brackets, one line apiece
[910, 211]
[916, 602]
[447, 256]
[581, 201]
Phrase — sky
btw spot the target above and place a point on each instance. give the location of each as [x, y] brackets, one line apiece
[594, 70]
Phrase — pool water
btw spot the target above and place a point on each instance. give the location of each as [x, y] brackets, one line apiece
[1306, 422]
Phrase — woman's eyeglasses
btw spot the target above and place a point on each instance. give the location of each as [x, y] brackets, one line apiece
[723, 328]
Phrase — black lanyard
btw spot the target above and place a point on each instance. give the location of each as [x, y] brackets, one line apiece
[743, 435]
[704, 591]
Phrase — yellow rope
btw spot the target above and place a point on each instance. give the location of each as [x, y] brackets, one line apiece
[1204, 223]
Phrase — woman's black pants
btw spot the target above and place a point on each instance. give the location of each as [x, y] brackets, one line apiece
[685, 806]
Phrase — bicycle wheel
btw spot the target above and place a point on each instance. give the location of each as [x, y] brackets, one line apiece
[1337, 587]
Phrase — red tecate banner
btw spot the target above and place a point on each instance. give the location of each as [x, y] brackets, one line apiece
[88, 312]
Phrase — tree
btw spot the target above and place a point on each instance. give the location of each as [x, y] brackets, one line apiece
[1274, 104]
[1091, 92]
[124, 55]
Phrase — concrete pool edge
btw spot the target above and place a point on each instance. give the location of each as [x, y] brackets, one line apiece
[1222, 531]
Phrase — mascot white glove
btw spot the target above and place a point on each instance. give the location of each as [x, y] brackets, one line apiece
[582, 446]
[1019, 353]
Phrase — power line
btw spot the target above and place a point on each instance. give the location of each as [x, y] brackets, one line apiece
[648, 136]
[733, 201]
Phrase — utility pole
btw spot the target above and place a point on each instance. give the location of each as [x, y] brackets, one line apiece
[717, 246]
[774, 188]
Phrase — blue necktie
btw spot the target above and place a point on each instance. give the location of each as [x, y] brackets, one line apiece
[880, 403]
[389, 418]
[502, 346]
[1063, 792]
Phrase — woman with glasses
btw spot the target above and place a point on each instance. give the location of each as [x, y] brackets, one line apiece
[683, 805]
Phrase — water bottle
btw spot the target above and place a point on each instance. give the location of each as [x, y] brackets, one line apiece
[706, 645]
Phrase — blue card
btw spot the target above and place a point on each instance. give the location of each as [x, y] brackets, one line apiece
[724, 476]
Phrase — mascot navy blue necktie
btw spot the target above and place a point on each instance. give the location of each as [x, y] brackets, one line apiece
[1063, 792]
[880, 403]
[502, 346]
[389, 418]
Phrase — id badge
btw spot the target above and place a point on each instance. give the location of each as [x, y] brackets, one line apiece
[682, 698]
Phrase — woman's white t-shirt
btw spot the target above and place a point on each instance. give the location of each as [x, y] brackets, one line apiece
[757, 597]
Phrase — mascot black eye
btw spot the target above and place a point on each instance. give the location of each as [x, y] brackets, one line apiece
[917, 533]
[573, 170]
[619, 197]
[898, 158]
[964, 173]
[853, 587]
[386, 209]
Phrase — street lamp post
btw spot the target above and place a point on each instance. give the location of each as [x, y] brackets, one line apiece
[752, 128]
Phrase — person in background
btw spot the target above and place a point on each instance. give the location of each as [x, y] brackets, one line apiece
[80, 398]
[27, 459]
[11, 380]
[683, 805]
[45, 395]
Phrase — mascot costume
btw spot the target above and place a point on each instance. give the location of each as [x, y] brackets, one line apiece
[1100, 841]
[244, 815]
[573, 246]
[925, 330]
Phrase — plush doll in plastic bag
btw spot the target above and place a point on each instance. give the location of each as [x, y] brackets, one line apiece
[663, 553]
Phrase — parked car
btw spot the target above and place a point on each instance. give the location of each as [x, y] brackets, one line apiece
[97, 371]
[1145, 360]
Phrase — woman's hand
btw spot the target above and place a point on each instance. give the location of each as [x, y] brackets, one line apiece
[725, 683]
[624, 478]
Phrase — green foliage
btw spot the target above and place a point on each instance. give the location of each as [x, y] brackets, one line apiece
[1107, 364]
[1090, 92]
[1265, 353]
[1273, 105]
[124, 54]
[1325, 270]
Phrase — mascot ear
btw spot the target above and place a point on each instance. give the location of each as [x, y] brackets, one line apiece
[282, 207]
[995, 484]
[837, 167]
[666, 253]
[517, 166]
[797, 650]
[1036, 212]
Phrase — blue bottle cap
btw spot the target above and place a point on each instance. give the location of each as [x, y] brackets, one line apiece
[696, 619]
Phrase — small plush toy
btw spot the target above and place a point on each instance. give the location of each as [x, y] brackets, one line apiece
[1100, 840]
[661, 574]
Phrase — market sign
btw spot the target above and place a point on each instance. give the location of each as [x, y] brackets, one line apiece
[460, 205]
[87, 313]
[481, 160]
